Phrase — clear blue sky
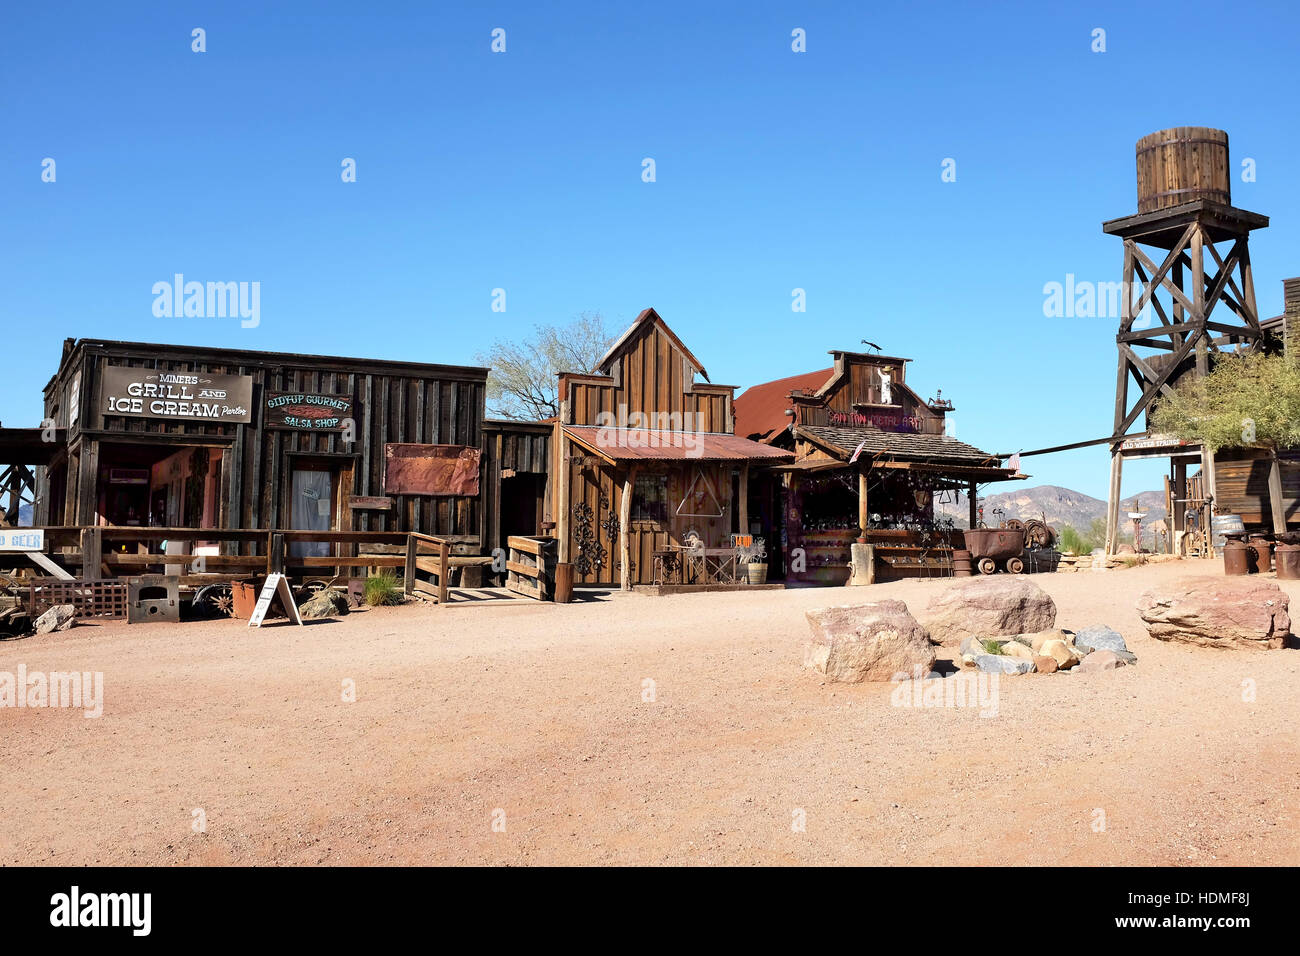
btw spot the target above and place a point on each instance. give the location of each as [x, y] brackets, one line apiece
[775, 170]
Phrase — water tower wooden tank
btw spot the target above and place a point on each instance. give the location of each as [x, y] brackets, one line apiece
[1185, 217]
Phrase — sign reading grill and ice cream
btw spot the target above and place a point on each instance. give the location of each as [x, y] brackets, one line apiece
[176, 396]
[299, 410]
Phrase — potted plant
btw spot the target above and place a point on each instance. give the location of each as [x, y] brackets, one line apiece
[755, 560]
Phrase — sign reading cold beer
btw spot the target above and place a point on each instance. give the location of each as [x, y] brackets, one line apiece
[307, 412]
[176, 396]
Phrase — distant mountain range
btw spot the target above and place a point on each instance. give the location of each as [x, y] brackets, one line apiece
[1058, 506]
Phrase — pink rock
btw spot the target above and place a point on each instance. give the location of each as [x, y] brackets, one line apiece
[1100, 661]
[867, 642]
[1218, 612]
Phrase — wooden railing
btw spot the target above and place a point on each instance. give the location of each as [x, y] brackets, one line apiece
[269, 553]
[420, 549]
[530, 566]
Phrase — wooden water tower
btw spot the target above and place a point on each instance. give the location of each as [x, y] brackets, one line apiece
[1194, 307]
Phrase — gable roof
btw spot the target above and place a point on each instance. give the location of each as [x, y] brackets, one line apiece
[646, 318]
[760, 409]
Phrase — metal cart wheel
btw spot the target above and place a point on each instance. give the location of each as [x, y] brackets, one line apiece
[214, 600]
[1015, 566]
[987, 566]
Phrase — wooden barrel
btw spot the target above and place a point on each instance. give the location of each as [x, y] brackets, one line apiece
[1181, 165]
[961, 564]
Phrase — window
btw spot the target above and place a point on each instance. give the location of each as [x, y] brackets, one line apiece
[650, 498]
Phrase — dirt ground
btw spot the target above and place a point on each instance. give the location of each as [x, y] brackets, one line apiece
[532, 717]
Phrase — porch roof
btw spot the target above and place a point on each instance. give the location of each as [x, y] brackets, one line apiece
[649, 444]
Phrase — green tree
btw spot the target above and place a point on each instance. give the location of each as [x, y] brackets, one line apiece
[1246, 399]
[523, 381]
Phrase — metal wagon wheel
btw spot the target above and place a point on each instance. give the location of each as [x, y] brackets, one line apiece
[987, 566]
[214, 600]
[1015, 524]
[1015, 566]
[1038, 534]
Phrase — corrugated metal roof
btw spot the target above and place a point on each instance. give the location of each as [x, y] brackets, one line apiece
[903, 445]
[636, 444]
[760, 409]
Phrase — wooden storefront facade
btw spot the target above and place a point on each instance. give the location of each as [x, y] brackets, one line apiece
[173, 436]
[645, 455]
[871, 462]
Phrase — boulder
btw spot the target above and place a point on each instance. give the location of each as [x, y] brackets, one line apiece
[1016, 649]
[58, 618]
[1001, 664]
[1036, 641]
[867, 642]
[1099, 638]
[1003, 604]
[1063, 652]
[1236, 612]
[1046, 665]
[1100, 661]
[326, 602]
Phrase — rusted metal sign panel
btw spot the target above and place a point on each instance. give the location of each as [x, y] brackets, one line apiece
[431, 470]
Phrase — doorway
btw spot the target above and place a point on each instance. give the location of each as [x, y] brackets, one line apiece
[313, 498]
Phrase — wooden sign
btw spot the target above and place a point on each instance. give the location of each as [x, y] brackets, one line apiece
[431, 469]
[22, 539]
[275, 584]
[307, 412]
[176, 396]
[374, 503]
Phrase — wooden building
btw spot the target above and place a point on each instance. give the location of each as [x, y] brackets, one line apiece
[645, 455]
[516, 475]
[870, 459]
[178, 436]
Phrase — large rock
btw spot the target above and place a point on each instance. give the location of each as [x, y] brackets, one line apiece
[1217, 612]
[1100, 661]
[867, 642]
[326, 602]
[1000, 664]
[986, 606]
[1099, 638]
[58, 618]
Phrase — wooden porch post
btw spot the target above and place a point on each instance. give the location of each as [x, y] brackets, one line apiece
[563, 475]
[1275, 495]
[743, 503]
[624, 519]
[974, 506]
[864, 511]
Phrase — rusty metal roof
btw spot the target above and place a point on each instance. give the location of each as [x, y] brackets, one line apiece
[648, 444]
[760, 409]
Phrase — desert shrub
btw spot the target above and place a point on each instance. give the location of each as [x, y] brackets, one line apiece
[382, 589]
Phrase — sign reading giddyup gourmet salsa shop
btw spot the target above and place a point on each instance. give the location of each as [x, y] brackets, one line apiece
[177, 396]
[307, 412]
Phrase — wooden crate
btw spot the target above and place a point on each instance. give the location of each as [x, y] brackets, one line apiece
[530, 566]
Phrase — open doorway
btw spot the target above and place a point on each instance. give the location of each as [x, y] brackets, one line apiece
[313, 504]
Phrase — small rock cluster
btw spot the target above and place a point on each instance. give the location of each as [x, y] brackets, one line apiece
[1047, 652]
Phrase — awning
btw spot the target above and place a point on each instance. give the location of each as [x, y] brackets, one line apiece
[649, 444]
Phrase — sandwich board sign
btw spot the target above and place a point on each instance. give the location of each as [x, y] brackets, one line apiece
[275, 584]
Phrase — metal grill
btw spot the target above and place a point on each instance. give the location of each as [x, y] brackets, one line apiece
[104, 600]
